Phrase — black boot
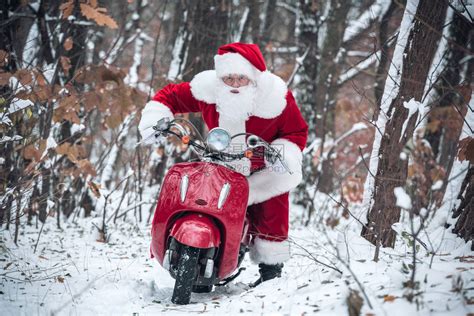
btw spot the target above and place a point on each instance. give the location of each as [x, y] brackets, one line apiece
[267, 272]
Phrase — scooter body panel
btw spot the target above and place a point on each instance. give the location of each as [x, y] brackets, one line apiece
[196, 230]
[205, 183]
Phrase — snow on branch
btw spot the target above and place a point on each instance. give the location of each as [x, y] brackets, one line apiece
[366, 19]
[360, 67]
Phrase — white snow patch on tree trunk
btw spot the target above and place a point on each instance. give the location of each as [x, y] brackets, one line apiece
[403, 199]
[177, 62]
[31, 47]
[413, 107]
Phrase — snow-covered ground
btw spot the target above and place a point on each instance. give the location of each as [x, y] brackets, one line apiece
[73, 274]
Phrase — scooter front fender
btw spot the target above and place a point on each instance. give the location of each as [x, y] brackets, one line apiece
[197, 231]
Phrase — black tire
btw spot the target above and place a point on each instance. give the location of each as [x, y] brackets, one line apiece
[202, 288]
[186, 274]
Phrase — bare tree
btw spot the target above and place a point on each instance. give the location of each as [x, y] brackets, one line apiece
[390, 168]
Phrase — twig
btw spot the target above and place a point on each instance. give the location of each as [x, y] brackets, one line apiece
[39, 235]
[365, 163]
[314, 258]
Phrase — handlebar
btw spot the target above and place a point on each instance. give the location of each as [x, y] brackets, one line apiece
[164, 127]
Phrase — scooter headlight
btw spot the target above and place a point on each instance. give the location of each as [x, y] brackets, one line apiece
[218, 139]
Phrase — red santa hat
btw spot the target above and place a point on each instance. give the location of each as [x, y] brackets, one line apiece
[239, 58]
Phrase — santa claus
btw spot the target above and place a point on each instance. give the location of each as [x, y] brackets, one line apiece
[240, 95]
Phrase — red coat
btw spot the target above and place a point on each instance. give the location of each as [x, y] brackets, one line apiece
[287, 124]
[276, 119]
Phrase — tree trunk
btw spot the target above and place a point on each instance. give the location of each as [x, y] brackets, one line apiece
[209, 27]
[382, 68]
[327, 86]
[250, 30]
[308, 38]
[267, 24]
[464, 227]
[392, 170]
[452, 96]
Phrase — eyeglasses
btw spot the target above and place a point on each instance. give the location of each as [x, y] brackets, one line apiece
[240, 79]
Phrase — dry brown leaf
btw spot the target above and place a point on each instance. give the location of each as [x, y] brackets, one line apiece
[389, 298]
[71, 116]
[3, 58]
[433, 126]
[60, 279]
[466, 149]
[31, 153]
[113, 120]
[63, 148]
[91, 100]
[97, 15]
[86, 168]
[67, 8]
[468, 259]
[68, 102]
[5, 78]
[65, 63]
[73, 153]
[68, 43]
[24, 76]
[95, 188]
[40, 79]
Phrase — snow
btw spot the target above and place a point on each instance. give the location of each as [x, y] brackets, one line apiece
[18, 105]
[31, 48]
[5, 138]
[242, 21]
[437, 185]
[403, 199]
[413, 107]
[133, 75]
[50, 143]
[177, 62]
[74, 273]
[77, 128]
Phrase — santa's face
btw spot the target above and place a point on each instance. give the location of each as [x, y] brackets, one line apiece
[235, 97]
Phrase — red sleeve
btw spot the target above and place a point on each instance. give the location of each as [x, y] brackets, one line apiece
[292, 125]
[178, 98]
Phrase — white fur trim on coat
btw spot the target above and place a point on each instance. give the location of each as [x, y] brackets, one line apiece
[271, 92]
[203, 86]
[268, 183]
[271, 96]
[234, 63]
[269, 252]
[152, 113]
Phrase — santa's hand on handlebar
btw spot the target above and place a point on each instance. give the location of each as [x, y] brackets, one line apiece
[274, 161]
[151, 134]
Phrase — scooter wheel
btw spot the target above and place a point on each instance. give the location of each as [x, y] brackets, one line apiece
[186, 274]
[202, 288]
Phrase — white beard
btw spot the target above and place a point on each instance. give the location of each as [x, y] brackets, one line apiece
[235, 106]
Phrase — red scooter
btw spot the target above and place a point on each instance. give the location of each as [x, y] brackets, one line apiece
[200, 229]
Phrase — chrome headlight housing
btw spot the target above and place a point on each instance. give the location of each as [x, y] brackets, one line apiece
[218, 139]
